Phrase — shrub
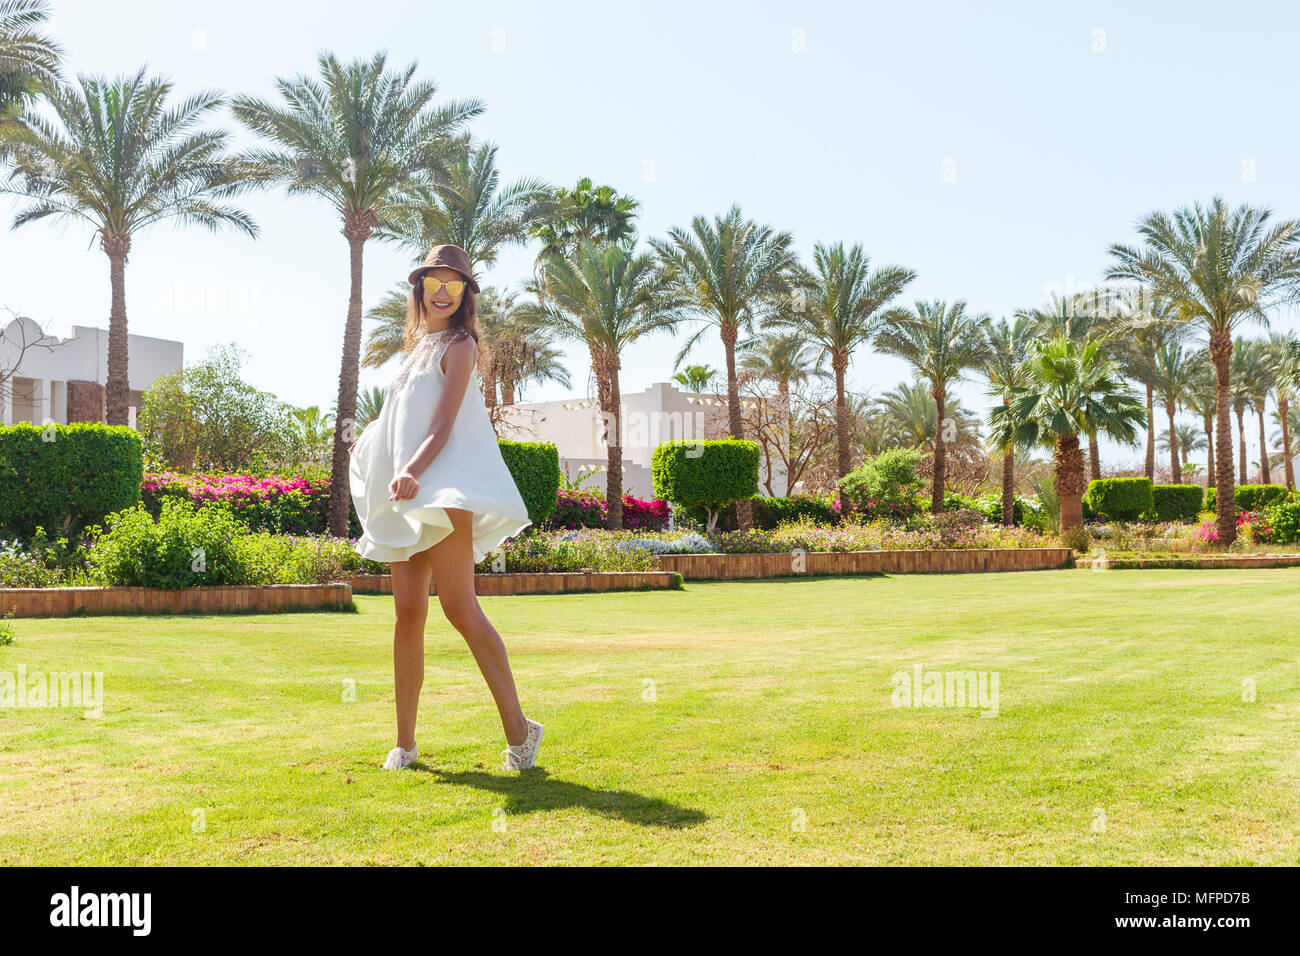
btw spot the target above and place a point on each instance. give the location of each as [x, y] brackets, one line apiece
[577, 508]
[771, 512]
[1284, 522]
[292, 559]
[704, 473]
[1077, 538]
[1177, 502]
[1119, 499]
[1259, 497]
[886, 485]
[66, 477]
[186, 547]
[639, 515]
[957, 525]
[535, 467]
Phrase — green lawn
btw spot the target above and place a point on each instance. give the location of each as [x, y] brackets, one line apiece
[771, 738]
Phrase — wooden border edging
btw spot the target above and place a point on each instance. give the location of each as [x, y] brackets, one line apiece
[220, 599]
[1192, 562]
[794, 564]
[496, 585]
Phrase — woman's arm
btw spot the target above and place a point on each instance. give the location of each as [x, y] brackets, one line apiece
[458, 361]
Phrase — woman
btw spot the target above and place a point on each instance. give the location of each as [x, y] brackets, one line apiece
[435, 497]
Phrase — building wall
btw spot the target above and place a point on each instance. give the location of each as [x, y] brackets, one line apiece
[649, 418]
[49, 382]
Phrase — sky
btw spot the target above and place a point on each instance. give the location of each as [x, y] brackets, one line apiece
[995, 149]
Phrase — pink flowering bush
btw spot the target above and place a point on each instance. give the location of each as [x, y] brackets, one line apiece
[274, 503]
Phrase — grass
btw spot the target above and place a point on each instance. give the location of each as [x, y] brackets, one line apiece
[770, 738]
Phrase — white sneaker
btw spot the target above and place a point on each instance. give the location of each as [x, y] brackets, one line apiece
[398, 758]
[523, 756]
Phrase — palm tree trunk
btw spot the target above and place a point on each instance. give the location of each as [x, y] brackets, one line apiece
[117, 387]
[1008, 481]
[1175, 469]
[610, 399]
[936, 493]
[1209, 453]
[1264, 475]
[744, 508]
[840, 364]
[1241, 446]
[1151, 434]
[1288, 467]
[1069, 481]
[1094, 456]
[1225, 502]
[345, 417]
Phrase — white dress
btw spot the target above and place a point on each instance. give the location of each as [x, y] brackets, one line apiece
[468, 471]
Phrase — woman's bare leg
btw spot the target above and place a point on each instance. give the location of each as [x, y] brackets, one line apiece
[411, 600]
[452, 559]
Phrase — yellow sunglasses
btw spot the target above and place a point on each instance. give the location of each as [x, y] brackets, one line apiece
[454, 288]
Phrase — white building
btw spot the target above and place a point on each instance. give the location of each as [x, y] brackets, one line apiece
[660, 413]
[62, 380]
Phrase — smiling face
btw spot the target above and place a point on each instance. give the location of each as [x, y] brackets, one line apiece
[441, 305]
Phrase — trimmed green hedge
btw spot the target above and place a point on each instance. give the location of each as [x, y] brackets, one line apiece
[770, 512]
[1119, 499]
[1249, 497]
[705, 473]
[535, 467]
[1177, 502]
[66, 477]
[1258, 497]
[1284, 522]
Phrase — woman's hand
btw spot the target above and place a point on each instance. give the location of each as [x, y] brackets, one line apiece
[403, 487]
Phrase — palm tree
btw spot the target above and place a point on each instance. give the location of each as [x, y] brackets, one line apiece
[941, 342]
[839, 306]
[696, 378]
[1082, 317]
[117, 157]
[1173, 376]
[729, 271]
[519, 343]
[1070, 390]
[369, 404]
[587, 211]
[1280, 346]
[467, 206]
[784, 358]
[1219, 268]
[1142, 327]
[359, 137]
[908, 415]
[28, 59]
[1202, 399]
[608, 297]
[1007, 346]
[388, 339]
[1259, 384]
[1185, 441]
[1249, 377]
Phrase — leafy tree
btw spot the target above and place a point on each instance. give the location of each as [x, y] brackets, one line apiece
[117, 157]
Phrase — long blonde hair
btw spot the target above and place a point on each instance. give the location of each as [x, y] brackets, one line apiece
[465, 317]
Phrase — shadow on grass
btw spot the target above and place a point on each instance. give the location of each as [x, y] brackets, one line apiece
[533, 790]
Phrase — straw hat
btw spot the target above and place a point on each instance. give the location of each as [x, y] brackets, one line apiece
[450, 256]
